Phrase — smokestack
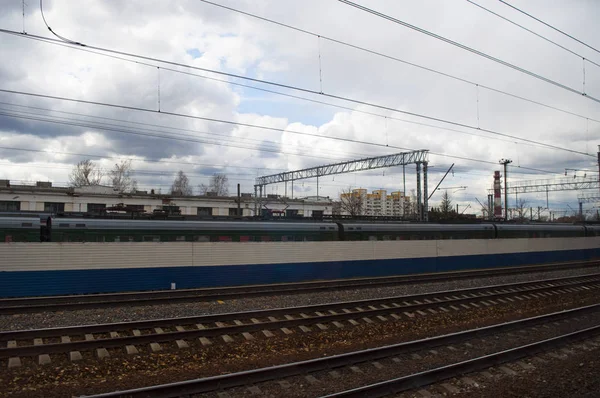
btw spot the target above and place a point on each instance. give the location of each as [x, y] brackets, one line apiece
[497, 198]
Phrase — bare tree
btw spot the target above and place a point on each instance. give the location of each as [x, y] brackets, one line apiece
[352, 202]
[446, 206]
[219, 184]
[181, 185]
[121, 179]
[85, 173]
[521, 210]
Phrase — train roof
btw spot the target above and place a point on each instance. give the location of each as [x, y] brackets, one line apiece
[539, 227]
[416, 227]
[63, 223]
[20, 222]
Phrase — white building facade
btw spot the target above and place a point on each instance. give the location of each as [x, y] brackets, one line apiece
[43, 197]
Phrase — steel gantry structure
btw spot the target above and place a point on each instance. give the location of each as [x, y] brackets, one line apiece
[398, 159]
[552, 185]
[591, 198]
[562, 184]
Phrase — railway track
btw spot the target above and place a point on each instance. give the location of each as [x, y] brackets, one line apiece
[550, 331]
[208, 329]
[10, 306]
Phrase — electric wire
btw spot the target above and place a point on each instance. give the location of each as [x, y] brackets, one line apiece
[393, 58]
[333, 96]
[323, 102]
[548, 25]
[532, 32]
[469, 49]
[168, 137]
[230, 122]
[225, 137]
[149, 160]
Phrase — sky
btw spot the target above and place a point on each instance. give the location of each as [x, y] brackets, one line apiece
[332, 102]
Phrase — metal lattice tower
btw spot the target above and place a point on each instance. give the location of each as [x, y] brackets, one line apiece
[398, 159]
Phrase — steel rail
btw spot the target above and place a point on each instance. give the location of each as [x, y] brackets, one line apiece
[432, 376]
[238, 379]
[74, 302]
[529, 286]
[448, 298]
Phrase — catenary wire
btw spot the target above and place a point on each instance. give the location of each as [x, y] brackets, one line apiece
[167, 137]
[470, 49]
[196, 132]
[230, 122]
[328, 103]
[393, 58]
[333, 96]
[149, 160]
[548, 25]
[532, 32]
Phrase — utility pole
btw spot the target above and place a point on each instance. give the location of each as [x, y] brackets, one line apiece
[419, 209]
[505, 162]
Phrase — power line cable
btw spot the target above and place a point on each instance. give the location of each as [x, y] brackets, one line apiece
[342, 98]
[396, 59]
[548, 25]
[167, 137]
[532, 32]
[469, 49]
[237, 123]
[226, 138]
[323, 102]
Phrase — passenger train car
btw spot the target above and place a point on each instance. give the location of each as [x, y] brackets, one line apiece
[30, 229]
[57, 256]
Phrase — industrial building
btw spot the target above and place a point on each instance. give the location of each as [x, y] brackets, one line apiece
[44, 197]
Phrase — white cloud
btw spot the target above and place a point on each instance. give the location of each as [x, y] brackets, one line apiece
[237, 44]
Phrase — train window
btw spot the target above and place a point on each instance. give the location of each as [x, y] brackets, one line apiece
[180, 238]
[359, 228]
[26, 224]
[117, 239]
[286, 238]
[149, 238]
[265, 238]
[225, 239]
[372, 237]
[80, 225]
[63, 225]
[201, 238]
[321, 227]
[387, 237]
[244, 238]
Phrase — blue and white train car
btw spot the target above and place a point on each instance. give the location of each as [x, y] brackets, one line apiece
[32, 269]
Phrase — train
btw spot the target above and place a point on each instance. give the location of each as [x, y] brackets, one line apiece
[54, 255]
[43, 228]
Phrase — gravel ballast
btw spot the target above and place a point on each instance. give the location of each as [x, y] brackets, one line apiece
[124, 314]
[121, 371]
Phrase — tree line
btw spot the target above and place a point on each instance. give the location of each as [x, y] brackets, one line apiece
[88, 173]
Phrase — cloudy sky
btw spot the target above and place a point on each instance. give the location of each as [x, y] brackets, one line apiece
[41, 139]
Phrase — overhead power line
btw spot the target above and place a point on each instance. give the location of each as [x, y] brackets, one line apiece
[469, 49]
[248, 125]
[297, 88]
[532, 32]
[396, 59]
[180, 137]
[330, 103]
[548, 25]
[156, 133]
